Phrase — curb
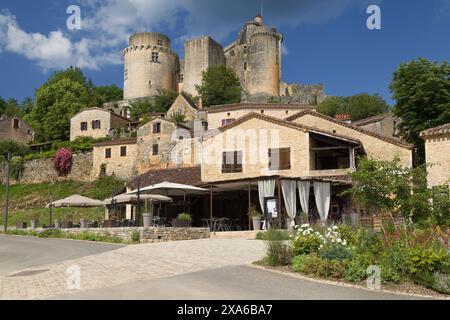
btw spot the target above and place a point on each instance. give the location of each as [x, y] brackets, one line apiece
[346, 285]
[85, 241]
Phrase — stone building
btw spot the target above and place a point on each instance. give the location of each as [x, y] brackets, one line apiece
[16, 129]
[117, 157]
[96, 123]
[385, 124]
[183, 106]
[437, 151]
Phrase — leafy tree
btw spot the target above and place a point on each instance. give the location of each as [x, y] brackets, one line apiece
[421, 89]
[359, 106]
[9, 107]
[108, 94]
[387, 187]
[27, 106]
[219, 85]
[178, 117]
[16, 149]
[161, 103]
[164, 100]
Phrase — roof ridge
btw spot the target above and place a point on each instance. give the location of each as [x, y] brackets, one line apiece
[350, 126]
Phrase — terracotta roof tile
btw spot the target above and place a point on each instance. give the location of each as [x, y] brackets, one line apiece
[372, 119]
[116, 142]
[239, 106]
[189, 175]
[443, 129]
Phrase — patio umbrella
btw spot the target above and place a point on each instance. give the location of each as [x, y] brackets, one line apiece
[132, 199]
[76, 201]
[170, 189]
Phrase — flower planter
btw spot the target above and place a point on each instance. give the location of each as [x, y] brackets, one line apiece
[256, 223]
[147, 220]
[57, 224]
[180, 223]
[83, 224]
[34, 224]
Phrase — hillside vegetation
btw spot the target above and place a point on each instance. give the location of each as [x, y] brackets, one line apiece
[28, 201]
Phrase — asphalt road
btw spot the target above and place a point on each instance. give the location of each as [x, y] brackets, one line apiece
[17, 253]
[230, 283]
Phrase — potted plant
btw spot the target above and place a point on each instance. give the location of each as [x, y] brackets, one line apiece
[256, 216]
[34, 222]
[184, 220]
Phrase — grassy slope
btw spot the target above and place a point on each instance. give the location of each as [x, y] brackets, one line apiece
[28, 201]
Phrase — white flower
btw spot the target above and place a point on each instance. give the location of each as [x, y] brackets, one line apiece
[335, 228]
[344, 243]
[338, 240]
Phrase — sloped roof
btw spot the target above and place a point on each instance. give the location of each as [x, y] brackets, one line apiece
[102, 110]
[248, 105]
[350, 126]
[443, 129]
[116, 142]
[189, 175]
[254, 115]
[372, 119]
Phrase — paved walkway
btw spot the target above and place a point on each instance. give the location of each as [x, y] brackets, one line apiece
[130, 264]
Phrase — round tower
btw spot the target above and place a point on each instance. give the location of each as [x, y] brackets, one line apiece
[264, 59]
[149, 65]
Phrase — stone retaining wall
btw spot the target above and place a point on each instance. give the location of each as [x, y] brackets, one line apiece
[151, 235]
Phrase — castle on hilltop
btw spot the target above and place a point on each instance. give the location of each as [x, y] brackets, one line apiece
[151, 65]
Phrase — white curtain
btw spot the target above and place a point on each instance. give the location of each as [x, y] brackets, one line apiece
[304, 188]
[322, 192]
[266, 188]
[289, 188]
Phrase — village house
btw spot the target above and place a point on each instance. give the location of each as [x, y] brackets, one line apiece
[16, 129]
[97, 123]
[385, 124]
[437, 152]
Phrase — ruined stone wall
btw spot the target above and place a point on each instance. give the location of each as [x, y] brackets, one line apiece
[23, 134]
[144, 77]
[39, 171]
[199, 55]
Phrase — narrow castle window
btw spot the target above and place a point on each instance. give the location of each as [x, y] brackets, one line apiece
[150, 83]
[160, 42]
[245, 65]
[155, 149]
[181, 78]
[123, 151]
[125, 75]
[155, 57]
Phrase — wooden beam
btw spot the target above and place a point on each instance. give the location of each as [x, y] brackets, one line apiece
[329, 148]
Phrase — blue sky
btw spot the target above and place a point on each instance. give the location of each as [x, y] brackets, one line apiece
[326, 41]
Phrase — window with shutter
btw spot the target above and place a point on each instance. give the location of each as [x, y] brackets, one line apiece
[96, 124]
[232, 162]
[280, 159]
[157, 127]
[84, 126]
[108, 153]
[123, 151]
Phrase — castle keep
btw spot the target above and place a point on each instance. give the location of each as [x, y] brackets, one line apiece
[256, 57]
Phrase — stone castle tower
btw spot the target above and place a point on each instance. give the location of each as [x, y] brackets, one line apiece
[151, 65]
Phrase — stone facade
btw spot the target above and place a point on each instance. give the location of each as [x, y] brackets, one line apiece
[82, 124]
[384, 124]
[375, 146]
[116, 157]
[218, 115]
[16, 129]
[200, 54]
[182, 105]
[437, 151]
[162, 143]
[39, 171]
[254, 135]
[150, 65]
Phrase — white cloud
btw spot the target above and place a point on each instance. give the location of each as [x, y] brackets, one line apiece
[107, 25]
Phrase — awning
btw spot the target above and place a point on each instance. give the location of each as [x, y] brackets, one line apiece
[170, 189]
[132, 199]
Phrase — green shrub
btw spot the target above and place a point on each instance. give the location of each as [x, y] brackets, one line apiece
[184, 217]
[51, 233]
[439, 282]
[357, 269]
[278, 250]
[312, 264]
[135, 236]
[389, 274]
[306, 242]
[395, 258]
[421, 259]
[280, 235]
[348, 233]
[368, 241]
[336, 252]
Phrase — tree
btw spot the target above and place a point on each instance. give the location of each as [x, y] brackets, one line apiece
[359, 106]
[108, 94]
[16, 149]
[421, 89]
[9, 107]
[386, 186]
[219, 85]
[161, 103]
[178, 117]
[56, 103]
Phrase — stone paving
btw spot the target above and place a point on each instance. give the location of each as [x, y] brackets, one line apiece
[131, 264]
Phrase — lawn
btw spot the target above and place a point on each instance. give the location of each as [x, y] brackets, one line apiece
[28, 201]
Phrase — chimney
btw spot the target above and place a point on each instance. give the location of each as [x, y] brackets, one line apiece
[200, 103]
[344, 118]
